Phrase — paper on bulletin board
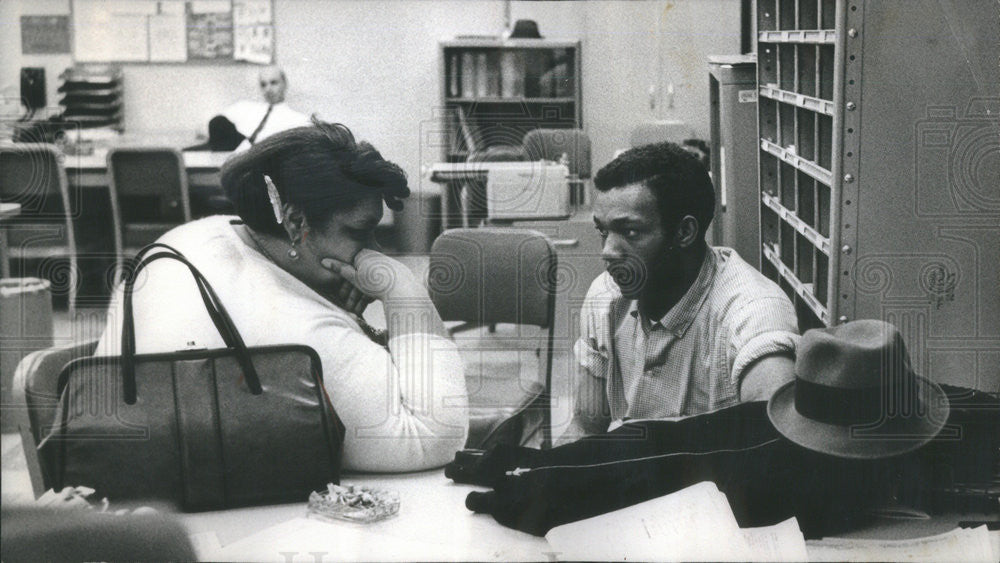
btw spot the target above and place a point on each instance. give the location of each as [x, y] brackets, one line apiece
[210, 34]
[167, 38]
[130, 40]
[44, 35]
[251, 12]
[254, 44]
[211, 6]
[111, 30]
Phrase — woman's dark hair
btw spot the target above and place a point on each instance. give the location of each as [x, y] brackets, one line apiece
[677, 178]
[320, 168]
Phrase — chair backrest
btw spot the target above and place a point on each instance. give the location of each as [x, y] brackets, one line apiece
[32, 175]
[489, 276]
[551, 144]
[493, 275]
[149, 193]
[35, 390]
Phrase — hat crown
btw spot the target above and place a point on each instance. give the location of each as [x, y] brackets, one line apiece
[854, 355]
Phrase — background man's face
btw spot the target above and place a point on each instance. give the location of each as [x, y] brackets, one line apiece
[272, 86]
[635, 245]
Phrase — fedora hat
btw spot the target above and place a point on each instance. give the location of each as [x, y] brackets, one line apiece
[856, 396]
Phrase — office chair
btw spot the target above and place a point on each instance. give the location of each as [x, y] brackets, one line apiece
[36, 397]
[149, 196]
[32, 174]
[493, 275]
[551, 144]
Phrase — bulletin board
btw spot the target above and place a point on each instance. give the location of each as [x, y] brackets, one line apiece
[172, 31]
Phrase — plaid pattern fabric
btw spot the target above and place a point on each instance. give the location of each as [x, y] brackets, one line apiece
[690, 361]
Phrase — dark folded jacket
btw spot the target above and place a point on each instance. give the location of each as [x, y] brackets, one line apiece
[766, 478]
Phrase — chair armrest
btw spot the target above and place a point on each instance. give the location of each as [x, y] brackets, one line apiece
[36, 399]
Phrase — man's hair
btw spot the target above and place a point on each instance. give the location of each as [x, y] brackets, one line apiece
[320, 168]
[677, 178]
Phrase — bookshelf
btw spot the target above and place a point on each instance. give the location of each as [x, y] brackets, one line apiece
[494, 91]
[879, 163]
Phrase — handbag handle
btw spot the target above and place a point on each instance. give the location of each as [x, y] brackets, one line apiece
[220, 318]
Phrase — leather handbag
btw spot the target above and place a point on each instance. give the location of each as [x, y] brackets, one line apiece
[204, 429]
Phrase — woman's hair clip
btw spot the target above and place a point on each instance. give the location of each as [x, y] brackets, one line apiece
[272, 194]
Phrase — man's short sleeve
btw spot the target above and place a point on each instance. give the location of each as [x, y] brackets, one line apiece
[762, 327]
[591, 348]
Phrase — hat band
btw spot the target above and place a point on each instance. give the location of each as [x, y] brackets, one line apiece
[834, 405]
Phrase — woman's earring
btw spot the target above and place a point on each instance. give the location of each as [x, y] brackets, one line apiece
[293, 253]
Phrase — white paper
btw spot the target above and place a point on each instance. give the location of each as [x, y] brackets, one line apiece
[957, 545]
[254, 44]
[205, 544]
[211, 6]
[172, 7]
[130, 38]
[995, 544]
[167, 38]
[780, 542]
[251, 12]
[693, 524]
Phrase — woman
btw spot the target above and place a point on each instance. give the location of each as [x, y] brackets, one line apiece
[299, 267]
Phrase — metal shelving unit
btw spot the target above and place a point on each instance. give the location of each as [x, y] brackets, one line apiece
[797, 87]
[879, 161]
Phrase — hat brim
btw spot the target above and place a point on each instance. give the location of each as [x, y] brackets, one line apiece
[893, 435]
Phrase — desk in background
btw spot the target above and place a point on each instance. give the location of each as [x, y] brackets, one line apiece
[91, 170]
[454, 175]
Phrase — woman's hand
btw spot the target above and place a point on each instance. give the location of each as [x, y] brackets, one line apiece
[375, 275]
[348, 297]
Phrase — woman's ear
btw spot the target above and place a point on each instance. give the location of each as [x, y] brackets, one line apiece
[295, 223]
[687, 232]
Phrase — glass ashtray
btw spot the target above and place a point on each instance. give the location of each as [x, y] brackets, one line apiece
[353, 503]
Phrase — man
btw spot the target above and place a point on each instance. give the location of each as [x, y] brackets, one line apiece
[258, 120]
[674, 327]
[246, 122]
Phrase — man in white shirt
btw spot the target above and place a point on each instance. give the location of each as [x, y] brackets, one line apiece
[257, 120]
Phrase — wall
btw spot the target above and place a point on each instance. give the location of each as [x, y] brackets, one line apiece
[374, 65]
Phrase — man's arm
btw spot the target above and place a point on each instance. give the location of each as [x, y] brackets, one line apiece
[590, 408]
[764, 376]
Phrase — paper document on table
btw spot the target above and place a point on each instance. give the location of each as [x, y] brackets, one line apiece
[315, 540]
[205, 544]
[959, 544]
[693, 524]
[780, 542]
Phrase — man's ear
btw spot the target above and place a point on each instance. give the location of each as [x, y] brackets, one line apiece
[294, 222]
[686, 233]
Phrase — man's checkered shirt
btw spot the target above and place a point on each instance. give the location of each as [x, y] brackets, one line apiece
[692, 360]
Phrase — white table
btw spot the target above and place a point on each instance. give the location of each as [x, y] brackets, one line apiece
[432, 524]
